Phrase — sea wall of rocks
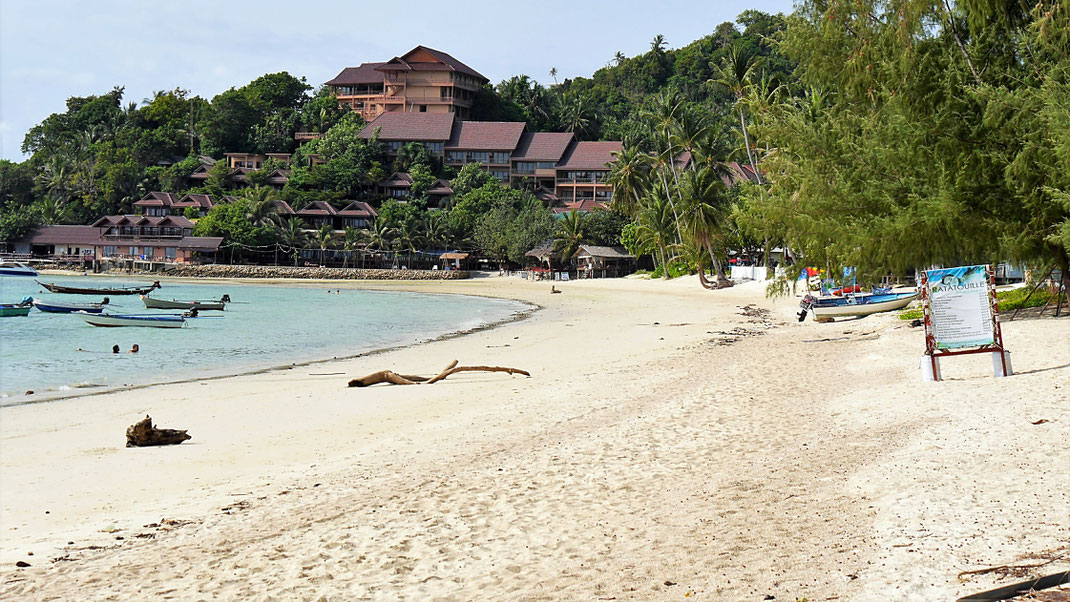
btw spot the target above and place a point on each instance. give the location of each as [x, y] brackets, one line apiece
[314, 273]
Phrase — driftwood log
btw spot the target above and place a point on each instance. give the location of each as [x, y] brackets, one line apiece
[386, 376]
[143, 434]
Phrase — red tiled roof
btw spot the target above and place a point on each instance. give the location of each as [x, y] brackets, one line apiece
[318, 208]
[398, 179]
[398, 125]
[196, 200]
[281, 207]
[63, 235]
[174, 221]
[545, 195]
[448, 63]
[739, 173]
[358, 209]
[157, 199]
[584, 206]
[542, 146]
[440, 187]
[353, 76]
[590, 155]
[200, 243]
[486, 135]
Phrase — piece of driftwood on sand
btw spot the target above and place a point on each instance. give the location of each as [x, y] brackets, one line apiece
[388, 376]
[143, 434]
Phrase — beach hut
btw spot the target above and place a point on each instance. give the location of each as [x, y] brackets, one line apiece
[455, 256]
[593, 261]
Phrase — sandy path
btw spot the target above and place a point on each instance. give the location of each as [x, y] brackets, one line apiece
[641, 461]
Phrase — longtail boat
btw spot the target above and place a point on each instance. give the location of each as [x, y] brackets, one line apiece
[152, 321]
[151, 303]
[122, 290]
[62, 307]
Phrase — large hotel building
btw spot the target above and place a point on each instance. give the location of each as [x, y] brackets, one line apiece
[423, 80]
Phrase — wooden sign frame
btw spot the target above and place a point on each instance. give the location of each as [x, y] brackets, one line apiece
[931, 348]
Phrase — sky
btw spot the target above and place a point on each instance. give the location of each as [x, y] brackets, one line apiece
[54, 49]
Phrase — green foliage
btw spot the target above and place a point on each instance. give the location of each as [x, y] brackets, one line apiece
[1016, 298]
[173, 177]
[924, 137]
[230, 220]
[17, 222]
[191, 213]
[604, 227]
[676, 269]
[471, 177]
[512, 227]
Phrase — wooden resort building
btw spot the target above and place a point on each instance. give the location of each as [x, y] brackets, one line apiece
[423, 80]
[118, 238]
[564, 172]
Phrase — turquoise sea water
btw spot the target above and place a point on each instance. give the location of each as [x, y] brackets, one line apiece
[263, 326]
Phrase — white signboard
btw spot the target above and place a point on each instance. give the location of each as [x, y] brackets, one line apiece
[960, 306]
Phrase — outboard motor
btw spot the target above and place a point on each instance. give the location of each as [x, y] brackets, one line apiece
[225, 299]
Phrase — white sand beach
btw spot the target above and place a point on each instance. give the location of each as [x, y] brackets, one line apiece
[668, 444]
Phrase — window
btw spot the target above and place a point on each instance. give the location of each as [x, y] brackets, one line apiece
[499, 158]
[501, 174]
[435, 147]
[455, 156]
[133, 251]
[147, 252]
[393, 146]
[545, 165]
[478, 157]
[169, 253]
[525, 167]
[423, 108]
[108, 251]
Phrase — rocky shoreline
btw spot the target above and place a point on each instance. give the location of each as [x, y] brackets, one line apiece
[313, 273]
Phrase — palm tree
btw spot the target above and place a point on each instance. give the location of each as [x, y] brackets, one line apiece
[260, 206]
[630, 177]
[688, 132]
[734, 76]
[574, 113]
[571, 233]
[380, 235]
[553, 74]
[657, 223]
[353, 237]
[435, 231]
[705, 209]
[657, 45]
[324, 237]
[408, 238]
[292, 235]
[53, 210]
[619, 57]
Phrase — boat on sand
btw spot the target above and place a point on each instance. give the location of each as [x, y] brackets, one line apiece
[826, 309]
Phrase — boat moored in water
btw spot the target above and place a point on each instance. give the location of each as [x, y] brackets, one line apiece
[146, 320]
[15, 268]
[62, 307]
[22, 308]
[825, 309]
[122, 290]
[151, 303]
